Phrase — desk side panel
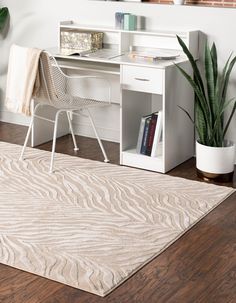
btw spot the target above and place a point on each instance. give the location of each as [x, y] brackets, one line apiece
[178, 129]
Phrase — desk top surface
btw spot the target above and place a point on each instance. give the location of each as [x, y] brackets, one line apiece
[122, 59]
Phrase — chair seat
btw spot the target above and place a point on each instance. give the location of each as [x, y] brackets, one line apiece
[74, 103]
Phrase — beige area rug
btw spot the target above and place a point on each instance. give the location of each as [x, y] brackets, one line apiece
[91, 225]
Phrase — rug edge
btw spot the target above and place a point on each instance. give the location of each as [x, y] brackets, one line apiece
[173, 241]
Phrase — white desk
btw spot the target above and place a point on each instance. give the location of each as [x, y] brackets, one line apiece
[141, 87]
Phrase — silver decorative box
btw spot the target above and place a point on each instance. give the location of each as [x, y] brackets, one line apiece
[81, 40]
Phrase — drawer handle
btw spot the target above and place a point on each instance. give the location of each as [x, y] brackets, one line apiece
[142, 79]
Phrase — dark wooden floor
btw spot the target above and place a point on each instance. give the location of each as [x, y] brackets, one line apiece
[199, 268]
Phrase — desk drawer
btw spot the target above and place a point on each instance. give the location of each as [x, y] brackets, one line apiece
[143, 79]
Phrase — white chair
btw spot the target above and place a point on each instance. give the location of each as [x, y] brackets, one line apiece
[59, 91]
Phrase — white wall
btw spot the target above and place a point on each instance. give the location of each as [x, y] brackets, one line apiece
[35, 23]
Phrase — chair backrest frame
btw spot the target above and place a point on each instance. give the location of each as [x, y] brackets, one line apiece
[57, 83]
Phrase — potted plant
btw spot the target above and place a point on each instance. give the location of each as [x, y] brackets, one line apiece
[178, 2]
[4, 15]
[215, 156]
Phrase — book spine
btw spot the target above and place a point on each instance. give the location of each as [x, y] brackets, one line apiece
[157, 137]
[145, 136]
[140, 135]
[151, 133]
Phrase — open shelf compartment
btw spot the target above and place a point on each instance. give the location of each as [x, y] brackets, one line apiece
[135, 105]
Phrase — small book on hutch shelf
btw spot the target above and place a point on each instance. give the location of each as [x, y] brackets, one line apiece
[74, 52]
[156, 55]
[157, 136]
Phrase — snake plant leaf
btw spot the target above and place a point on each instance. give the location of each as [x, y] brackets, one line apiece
[221, 81]
[209, 71]
[201, 124]
[220, 92]
[197, 91]
[197, 76]
[4, 15]
[193, 64]
[190, 118]
[227, 76]
[200, 121]
[187, 113]
[214, 62]
[217, 134]
[230, 118]
[226, 68]
[218, 129]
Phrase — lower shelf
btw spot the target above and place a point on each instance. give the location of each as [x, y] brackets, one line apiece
[132, 158]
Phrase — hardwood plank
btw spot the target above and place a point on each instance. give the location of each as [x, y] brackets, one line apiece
[200, 267]
[19, 286]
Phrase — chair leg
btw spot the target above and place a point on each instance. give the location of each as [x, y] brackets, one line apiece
[98, 138]
[28, 133]
[72, 131]
[54, 141]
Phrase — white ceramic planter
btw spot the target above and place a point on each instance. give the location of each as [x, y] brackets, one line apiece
[215, 160]
[178, 2]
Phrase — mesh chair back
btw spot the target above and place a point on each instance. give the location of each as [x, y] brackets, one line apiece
[52, 82]
[60, 90]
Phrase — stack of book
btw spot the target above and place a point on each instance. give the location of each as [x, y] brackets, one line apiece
[149, 137]
[156, 55]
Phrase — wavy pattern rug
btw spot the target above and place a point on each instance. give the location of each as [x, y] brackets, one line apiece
[91, 225]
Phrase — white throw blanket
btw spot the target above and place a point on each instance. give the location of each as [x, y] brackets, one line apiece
[21, 78]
